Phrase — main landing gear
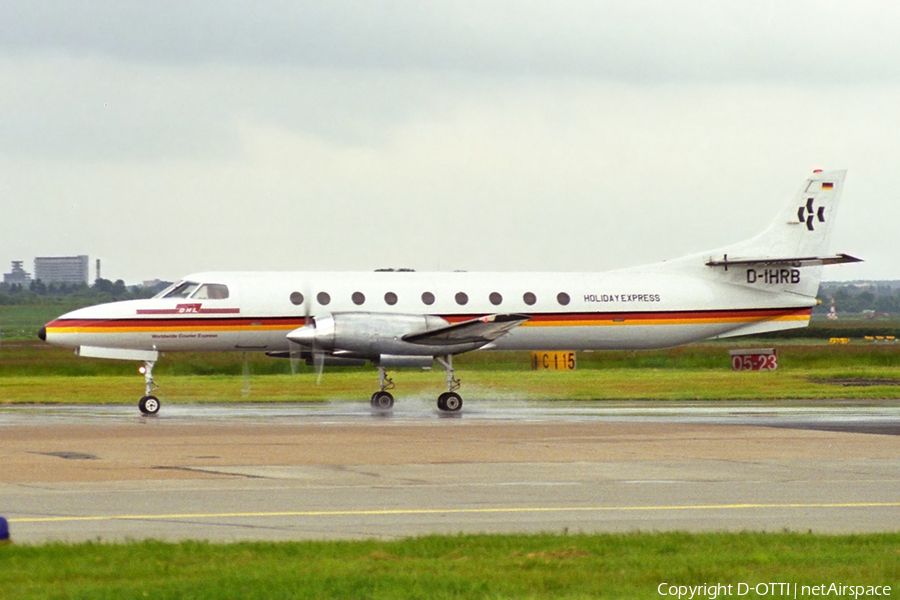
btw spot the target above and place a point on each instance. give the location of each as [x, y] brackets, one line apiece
[449, 401]
[149, 404]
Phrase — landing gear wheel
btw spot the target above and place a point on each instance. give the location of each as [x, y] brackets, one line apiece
[450, 402]
[149, 405]
[382, 401]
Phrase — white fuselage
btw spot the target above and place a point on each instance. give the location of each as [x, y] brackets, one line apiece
[641, 308]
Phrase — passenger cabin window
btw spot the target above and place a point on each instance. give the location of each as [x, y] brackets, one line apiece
[427, 298]
[495, 298]
[323, 298]
[462, 298]
[296, 298]
[390, 298]
[183, 290]
[211, 291]
[358, 298]
[563, 298]
[529, 298]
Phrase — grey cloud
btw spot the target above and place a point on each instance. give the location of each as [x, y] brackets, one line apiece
[635, 40]
[61, 108]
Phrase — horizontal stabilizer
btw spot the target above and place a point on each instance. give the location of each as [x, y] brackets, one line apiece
[798, 261]
[475, 331]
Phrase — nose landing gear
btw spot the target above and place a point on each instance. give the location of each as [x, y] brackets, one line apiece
[149, 404]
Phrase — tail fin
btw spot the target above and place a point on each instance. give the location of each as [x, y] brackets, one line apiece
[804, 226]
[788, 256]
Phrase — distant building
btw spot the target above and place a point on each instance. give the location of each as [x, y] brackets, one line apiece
[18, 274]
[61, 269]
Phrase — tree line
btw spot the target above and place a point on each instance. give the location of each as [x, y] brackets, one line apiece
[860, 297]
[103, 290]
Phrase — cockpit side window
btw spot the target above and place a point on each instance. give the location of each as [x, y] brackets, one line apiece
[211, 291]
[182, 290]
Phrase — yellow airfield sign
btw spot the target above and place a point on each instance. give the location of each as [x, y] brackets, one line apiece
[553, 361]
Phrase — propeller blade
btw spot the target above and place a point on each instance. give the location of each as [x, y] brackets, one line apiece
[319, 362]
[245, 377]
[317, 355]
[307, 306]
[294, 349]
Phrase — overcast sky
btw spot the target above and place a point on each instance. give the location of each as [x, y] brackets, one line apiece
[172, 137]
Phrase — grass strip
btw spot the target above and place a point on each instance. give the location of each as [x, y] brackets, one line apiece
[34, 373]
[35, 358]
[472, 566]
[607, 384]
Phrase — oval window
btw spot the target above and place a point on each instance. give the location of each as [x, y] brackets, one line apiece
[390, 298]
[562, 298]
[428, 298]
[462, 298]
[358, 298]
[529, 298]
[296, 298]
[495, 298]
[323, 298]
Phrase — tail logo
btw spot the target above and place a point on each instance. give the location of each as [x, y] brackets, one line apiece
[808, 213]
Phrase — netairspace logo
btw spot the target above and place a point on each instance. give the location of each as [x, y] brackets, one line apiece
[771, 589]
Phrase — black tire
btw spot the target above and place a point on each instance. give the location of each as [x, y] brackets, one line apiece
[442, 401]
[382, 401]
[149, 405]
[452, 402]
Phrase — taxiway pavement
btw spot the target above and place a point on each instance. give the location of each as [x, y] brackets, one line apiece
[340, 470]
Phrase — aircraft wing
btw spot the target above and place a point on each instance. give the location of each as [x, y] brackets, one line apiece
[475, 331]
[798, 261]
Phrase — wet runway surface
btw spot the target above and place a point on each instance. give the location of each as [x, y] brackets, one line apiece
[342, 470]
[862, 416]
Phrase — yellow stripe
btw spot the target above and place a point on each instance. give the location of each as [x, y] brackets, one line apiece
[452, 511]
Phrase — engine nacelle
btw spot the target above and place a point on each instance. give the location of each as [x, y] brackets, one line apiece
[374, 334]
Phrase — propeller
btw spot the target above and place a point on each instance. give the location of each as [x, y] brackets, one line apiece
[318, 362]
[295, 351]
[296, 348]
[245, 376]
[318, 356]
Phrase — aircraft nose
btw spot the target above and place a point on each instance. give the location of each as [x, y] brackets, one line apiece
[42, 334]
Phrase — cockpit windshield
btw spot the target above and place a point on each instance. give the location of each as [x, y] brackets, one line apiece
[165, 291]
[181, 290]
